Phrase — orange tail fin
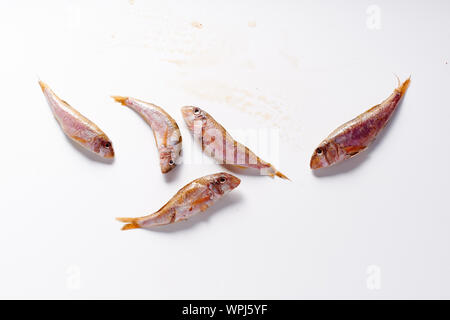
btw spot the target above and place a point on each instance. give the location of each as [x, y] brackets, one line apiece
[120, 99]
[132, 223]
[43, 85]
[274, 172]
[282, 176]
[402, 87]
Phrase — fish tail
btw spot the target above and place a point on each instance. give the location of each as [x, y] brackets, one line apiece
[279, 174]
[120, 99]
[131, 223]
[402, 87]
[43, 85]
[274, 172]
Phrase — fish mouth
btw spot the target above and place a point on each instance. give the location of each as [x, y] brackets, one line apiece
[109, 155]
[188, 116]
[234, 182]
[167, 169]
[186, 111]
[317, 162]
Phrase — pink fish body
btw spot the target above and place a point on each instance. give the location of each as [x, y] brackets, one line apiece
[192, 199]
[356, 135]
[218, 143]
[165, 130]
[77, 127]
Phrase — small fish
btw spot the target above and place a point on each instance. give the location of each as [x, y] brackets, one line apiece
[353, 137]
[193, 198]
[165, 130]
[218, 143]
[77, 127]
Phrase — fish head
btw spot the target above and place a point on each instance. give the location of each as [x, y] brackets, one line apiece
[103, 146]
[191, 115]
[170, 155]
[325, 155]
[168, 159]
[221, 183]
[166, 162]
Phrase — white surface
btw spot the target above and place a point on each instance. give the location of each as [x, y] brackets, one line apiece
[304, 66]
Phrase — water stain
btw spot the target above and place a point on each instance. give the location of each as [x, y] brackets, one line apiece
[291, 59]
[177, 62]
[165, 34]
[197, 25]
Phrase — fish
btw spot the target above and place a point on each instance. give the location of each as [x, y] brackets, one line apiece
[354, 136]
[165, 130]
[195, 197]
[219, 144]
[77, 127]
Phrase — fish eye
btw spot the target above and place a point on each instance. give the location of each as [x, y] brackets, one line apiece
[171, 162]
[196, 111]
[222, 179]
[319, 151]
[108, 145]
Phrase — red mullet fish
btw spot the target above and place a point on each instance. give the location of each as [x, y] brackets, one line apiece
[165, 130]
[355, 136]
[218, 143]
[77, 127]
[194, 198]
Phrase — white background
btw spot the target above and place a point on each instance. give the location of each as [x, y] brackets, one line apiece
[376, 226]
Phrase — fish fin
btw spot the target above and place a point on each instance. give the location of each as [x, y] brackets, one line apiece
[132, 223]
[353, 150]
[130, 226]
[402, 87]
[200, 201]
[282, 176]
[43, 85]
[120, 99]
[277, 173]
[166, 133]
[78, 139]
